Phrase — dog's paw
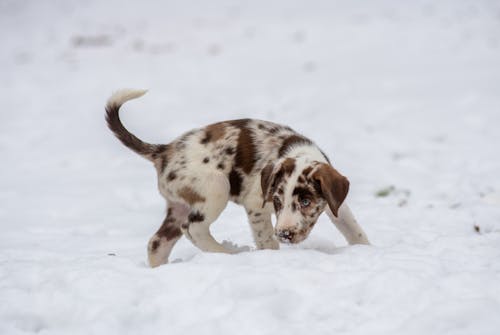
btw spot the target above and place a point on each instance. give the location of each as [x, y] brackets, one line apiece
[233, 247]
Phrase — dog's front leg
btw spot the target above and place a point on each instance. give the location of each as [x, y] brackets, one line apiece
[262, 229]
[348, 226]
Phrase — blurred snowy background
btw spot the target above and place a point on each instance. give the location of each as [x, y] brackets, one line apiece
[404, 98]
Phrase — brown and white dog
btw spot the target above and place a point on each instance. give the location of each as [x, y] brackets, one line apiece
[261, 165]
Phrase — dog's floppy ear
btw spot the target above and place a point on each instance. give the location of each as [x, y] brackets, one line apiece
[266, 179]
[333, 185]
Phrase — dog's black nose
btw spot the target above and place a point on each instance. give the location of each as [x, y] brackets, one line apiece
[285, 235]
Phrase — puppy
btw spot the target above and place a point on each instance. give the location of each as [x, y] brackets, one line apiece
[265, 167]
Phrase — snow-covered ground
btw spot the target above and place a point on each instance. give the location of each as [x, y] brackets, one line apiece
[405, 99]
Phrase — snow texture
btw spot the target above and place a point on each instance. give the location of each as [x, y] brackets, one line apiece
[403, 97]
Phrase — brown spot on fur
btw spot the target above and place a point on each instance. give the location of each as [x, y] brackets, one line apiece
[214, 132]
[189, 195]
[196, 217]
[277, 180]
[307, 170]
[291, 141]
[302, 192]
[171, 176]
[220, 166]
[274, 130]
[206, 160]
[235, 180]
[277, 204]
[288, 166]
[229, 151]
[246, 150]
[169, 229]
[206, 139]
[155, 245]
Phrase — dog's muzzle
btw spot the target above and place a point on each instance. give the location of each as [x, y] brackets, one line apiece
[285, 235]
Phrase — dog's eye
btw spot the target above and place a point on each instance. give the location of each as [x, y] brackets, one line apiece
[304, 202]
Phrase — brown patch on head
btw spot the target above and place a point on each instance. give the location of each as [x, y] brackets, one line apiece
[291, 141]
[276, 181]
[288, 166]
[303, 192]
[270, 182]
[333, 186]
[306, 171]
[235, 181]
[189, 195]
[246, 150]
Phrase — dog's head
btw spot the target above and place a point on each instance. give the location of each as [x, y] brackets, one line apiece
[300, 191]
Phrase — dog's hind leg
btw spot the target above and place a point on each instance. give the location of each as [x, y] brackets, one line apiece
[162, 242]
[212, 195]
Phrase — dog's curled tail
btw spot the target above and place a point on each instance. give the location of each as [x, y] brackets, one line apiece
[147, 150]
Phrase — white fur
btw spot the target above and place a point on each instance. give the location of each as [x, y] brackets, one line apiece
[121, 96]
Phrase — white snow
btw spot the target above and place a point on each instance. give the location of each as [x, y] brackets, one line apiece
[397, 94]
